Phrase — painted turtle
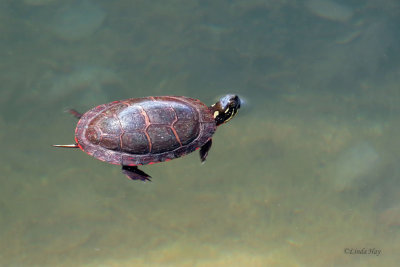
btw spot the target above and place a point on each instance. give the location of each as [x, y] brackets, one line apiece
[140, 131]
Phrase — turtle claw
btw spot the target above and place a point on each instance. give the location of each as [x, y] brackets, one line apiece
[133, 173]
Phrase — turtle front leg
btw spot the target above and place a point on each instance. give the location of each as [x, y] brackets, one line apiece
[204, 150]
[133, 173]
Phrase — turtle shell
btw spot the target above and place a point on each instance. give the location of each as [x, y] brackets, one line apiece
[147, 130]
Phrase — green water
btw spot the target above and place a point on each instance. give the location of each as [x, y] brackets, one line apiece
[305, 173]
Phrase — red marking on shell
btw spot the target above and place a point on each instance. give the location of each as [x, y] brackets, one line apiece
[146, 118]
[76, 141]
[122, 131]
[173, 129]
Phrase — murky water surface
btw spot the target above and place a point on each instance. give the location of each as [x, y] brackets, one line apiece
[306, 174]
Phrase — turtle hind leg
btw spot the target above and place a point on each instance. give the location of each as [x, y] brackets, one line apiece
[75, 113]
[133, 173]
[204, 150]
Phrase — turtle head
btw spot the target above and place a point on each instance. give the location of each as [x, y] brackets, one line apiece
[225, 108]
